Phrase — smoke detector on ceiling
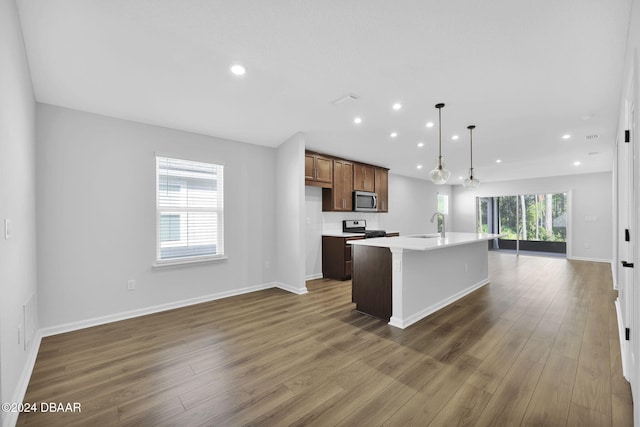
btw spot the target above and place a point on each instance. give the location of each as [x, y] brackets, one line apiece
[345, 98]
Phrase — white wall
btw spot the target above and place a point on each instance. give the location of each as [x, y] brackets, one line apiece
[591, 196]
[17, 200]
[313, 232]
[96, 216]
[411, 203]
[290, 214]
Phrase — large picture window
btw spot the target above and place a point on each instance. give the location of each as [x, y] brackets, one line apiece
[537, 221]
[190, 210]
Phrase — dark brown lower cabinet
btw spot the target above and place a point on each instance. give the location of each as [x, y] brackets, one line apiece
[371, 281]
[336, 257]
[337, 262]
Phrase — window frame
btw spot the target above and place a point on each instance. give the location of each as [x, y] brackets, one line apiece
[444, 210]
[220, 254]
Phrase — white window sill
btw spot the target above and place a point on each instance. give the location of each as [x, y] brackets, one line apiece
[188, 261]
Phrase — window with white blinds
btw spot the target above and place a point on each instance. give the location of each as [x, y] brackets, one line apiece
[190, 210]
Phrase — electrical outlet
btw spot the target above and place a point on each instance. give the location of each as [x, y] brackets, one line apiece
[131, 285]
[267, 264]
[19, 334]
[466, 268]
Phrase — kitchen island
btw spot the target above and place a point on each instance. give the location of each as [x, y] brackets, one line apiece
[404, 279]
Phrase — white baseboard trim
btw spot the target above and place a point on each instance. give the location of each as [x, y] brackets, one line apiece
[579, 258]
[623, 342]
[299, 291]
[405, 323]
[21, 388]
[82, 324]
[614, 276]
[314, 276]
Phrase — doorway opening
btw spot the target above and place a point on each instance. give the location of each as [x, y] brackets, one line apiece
[535, 223]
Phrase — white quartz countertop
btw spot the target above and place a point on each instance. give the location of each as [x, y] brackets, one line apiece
[428, 242]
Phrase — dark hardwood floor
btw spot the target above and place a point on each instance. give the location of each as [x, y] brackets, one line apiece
[537, 346]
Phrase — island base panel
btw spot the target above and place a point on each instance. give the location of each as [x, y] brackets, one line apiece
[371, 281]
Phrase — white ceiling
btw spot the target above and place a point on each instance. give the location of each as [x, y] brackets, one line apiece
[523, 72]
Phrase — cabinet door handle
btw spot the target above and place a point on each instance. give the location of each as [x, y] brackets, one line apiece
[627, 264]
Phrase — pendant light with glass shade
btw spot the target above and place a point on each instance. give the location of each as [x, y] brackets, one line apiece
[470, 183]
[439, 175]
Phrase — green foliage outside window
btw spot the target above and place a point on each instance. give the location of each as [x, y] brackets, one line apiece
[539, 217]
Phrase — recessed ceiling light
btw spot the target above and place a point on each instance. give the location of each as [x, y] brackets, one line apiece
[238, 70]
[566, 136]
[576, 163]
[420, 144]
[429, 124]
[396, 106]
[455, 137]
[393, 134]
[498, 161]
[419, 167]
[461, 177]
[357, 120]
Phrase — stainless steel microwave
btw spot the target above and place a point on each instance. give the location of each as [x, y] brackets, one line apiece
[364, 201]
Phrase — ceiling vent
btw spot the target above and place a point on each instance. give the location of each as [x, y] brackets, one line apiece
[592, 137]
[345, 98]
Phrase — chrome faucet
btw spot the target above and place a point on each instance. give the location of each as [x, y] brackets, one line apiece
[441, 216]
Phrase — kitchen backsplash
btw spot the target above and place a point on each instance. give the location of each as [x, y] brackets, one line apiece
[332, 221]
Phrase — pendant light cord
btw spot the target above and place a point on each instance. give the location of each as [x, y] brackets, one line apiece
[471, 128]
[439, 107]
[439, 134]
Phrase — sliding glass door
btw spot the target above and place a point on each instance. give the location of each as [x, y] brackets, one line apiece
[530, 222]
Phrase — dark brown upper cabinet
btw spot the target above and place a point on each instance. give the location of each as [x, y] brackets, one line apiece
[318, 170]
[363, 177]
[339, 197]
